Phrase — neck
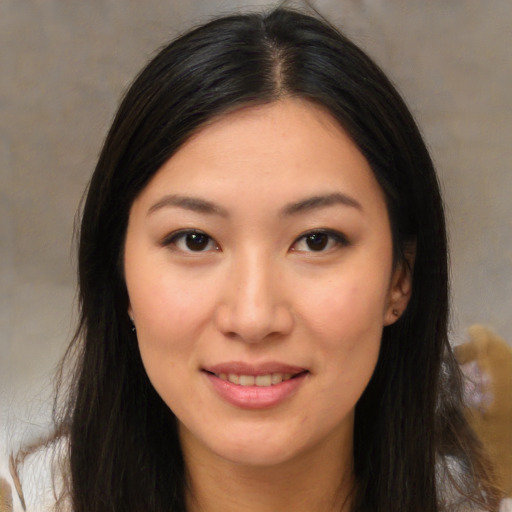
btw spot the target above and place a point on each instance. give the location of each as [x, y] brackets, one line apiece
[314, 482]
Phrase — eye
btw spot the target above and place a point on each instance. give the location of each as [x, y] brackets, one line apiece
[319, 241]
[191, 240]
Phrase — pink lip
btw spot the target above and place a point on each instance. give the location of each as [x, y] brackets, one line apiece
[255, 397]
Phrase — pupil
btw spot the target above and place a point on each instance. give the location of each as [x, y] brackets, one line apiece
[317, 241]
[196, 241]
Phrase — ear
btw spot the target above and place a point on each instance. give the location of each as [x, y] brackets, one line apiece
[130, 313]
[401, 287]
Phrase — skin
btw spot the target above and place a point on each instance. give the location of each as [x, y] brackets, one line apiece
[257, 292]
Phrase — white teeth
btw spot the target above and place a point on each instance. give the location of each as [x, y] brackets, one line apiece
[246, 380]
[270, 379]
[264, 380]
[277, 378]
[232, 377]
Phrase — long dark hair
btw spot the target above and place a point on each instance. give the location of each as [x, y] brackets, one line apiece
[410, 432]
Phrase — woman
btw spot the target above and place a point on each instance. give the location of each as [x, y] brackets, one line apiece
[263, 290]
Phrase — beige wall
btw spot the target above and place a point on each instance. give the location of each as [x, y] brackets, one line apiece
[64, 64]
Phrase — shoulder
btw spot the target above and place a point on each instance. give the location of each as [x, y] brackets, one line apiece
[9, 500]
[38, 484]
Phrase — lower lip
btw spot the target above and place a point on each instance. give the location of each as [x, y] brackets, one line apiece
[256, 397]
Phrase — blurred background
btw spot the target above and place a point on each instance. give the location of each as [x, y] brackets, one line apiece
[63, 67]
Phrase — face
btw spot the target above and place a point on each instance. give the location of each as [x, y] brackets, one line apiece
[259, 270]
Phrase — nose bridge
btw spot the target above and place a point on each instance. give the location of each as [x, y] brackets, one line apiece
[253, 281]
[254, 306]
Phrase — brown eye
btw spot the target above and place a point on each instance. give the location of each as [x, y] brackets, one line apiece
[317, 241]
[320, 241]
[197, 241]
[190, 241]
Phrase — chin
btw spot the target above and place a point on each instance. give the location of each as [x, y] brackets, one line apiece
[254, 445]
[257, 454]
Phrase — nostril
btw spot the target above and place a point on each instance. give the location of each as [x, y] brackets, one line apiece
[253, 321]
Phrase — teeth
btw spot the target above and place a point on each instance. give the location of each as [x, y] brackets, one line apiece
[270, 379]
[276, 378]
[233, 378]
[246, 380]
[264, 380]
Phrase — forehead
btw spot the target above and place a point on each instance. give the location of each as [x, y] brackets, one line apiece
[275, 125]
[272, 153]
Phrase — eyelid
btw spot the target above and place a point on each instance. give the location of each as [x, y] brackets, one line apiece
[172, 238]
[339, 238]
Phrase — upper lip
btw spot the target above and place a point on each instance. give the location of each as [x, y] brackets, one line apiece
[242, 368]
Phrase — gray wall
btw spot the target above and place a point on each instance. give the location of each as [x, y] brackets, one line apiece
[64, 64]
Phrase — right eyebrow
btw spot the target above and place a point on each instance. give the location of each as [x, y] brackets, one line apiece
[194, 204]
[321, 201]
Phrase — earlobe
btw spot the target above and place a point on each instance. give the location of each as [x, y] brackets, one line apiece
[130, 316]
[400, 290]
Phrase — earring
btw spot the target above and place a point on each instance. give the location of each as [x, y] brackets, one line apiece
[133, 324]
[396, 312]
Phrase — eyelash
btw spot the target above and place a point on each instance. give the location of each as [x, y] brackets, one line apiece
[174, 238]
[334, 239]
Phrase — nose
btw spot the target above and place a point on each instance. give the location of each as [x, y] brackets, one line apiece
[253, 306]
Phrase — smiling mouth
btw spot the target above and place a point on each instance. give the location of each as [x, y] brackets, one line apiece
[267, 380]
[255, 387]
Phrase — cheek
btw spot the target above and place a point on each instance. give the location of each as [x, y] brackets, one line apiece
[168, 329]
[168, 305]
[346, 322]
[345, 311]
[170, 316]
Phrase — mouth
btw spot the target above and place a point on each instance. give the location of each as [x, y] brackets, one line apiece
[261, 381]
[253, 387]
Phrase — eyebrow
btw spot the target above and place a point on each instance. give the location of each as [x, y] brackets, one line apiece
[320, 201]
[194, 204]
[199, 205]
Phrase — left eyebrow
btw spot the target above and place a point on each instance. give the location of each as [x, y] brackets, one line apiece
[320, 201]
[195, 204]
